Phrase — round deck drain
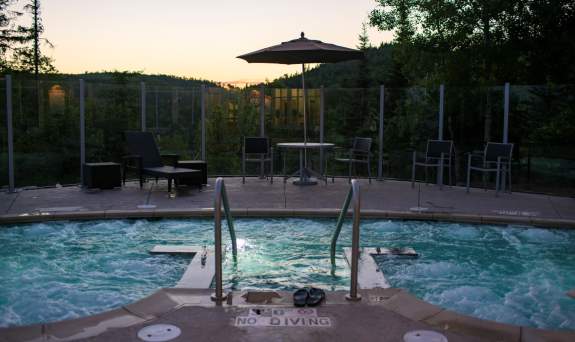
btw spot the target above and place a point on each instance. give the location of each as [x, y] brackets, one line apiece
[159, 332]
[424, 336]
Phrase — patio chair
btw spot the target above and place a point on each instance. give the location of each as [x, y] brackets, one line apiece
[439, 154]
[495, 158]
[142, 149]
[257, 150]
[359, 153]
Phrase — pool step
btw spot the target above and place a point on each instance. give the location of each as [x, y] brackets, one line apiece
[403, 251]
[201, 270]
[369, 276]
[175, 249]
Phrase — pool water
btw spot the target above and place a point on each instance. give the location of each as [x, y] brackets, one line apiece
[61, 270]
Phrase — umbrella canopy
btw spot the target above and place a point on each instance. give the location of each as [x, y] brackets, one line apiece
[302, 51]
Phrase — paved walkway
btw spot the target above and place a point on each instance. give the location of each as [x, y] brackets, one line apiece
[395, 197]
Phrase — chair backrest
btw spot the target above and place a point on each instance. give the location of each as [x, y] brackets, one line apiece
[495, 150]
[256, 145]
[361, 144]
[436, 147]
[144, 145]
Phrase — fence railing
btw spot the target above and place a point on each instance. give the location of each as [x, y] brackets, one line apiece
[56, 125]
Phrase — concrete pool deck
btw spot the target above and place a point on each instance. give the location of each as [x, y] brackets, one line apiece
[382, 314]
[382, 199]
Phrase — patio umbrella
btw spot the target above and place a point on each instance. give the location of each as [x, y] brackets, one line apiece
[302, 51]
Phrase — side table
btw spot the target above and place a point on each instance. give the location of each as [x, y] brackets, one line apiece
[202, 177]
[102, 175]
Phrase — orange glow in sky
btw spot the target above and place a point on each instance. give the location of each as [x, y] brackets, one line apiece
[193, 38]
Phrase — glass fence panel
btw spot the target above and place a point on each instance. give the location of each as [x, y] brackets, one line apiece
[285, 124]
[111, 109]
[411, 119]
[351, 113]
[46, 132]
[231, 114]
[542, 128]
[173, 115]
[3, 137]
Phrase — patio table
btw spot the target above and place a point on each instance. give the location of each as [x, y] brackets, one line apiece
[305, 174]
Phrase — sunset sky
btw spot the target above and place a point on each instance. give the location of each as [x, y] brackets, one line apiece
[190, 38]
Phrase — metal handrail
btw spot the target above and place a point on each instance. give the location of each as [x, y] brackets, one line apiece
[221, 197]
[353, 195]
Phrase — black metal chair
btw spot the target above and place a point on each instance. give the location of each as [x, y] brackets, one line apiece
[495, 158]
[257, 149]
[439, 154]
[359, 153]
[143, 150]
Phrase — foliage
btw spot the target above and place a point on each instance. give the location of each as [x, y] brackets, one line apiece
[21, 46]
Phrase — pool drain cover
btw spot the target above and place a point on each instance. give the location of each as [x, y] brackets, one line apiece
[424, 336]
[159, 332]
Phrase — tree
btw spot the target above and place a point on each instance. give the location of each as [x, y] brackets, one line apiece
[8, 33]
[363, 38]
[28, 56]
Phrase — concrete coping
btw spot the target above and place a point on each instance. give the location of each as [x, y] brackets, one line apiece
[168, 300]
[279, 212]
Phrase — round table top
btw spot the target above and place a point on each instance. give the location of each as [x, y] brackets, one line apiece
[305, 145]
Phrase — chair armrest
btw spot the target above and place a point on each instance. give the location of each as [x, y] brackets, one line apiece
[132, 157]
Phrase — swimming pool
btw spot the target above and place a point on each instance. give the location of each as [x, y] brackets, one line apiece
[61, 270]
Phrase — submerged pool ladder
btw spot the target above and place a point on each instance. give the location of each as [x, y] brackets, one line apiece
[221, 197]
[353, 195]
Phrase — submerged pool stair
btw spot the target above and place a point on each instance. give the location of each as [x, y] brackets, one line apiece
[370, 276]
[201, 270]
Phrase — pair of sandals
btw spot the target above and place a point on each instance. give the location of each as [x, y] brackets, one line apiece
[308, 296]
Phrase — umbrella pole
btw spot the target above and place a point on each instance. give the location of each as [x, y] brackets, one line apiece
[304, 116]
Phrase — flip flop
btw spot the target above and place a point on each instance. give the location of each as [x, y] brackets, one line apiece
[316, 296]
[300, 297]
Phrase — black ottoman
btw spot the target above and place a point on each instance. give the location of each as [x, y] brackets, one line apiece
[102, 175]
[201, 178]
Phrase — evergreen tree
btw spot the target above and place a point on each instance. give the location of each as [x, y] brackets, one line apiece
[363, 38]
[28, 56]
[8, 33]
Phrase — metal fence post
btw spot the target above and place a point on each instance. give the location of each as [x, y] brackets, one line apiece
[156, 109]
[203, 123]
[143, 105]
[441, 102]
[10, 132]
[82, 132]
[321, 129]
[506, 114]
[381, 116]
[262, 125]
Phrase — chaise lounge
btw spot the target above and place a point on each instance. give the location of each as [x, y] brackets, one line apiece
[143, 150]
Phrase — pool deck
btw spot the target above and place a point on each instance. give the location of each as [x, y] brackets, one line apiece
[382, 314]
[389, 198]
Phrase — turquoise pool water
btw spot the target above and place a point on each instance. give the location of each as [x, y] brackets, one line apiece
[62, 270]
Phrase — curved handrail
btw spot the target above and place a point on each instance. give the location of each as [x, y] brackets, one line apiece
[353, 195]
[221, 197]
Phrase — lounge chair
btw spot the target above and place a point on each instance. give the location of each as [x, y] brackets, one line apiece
[260, 148]
[495, 158]
[439, 154]
[359, 153]
[143, 150]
